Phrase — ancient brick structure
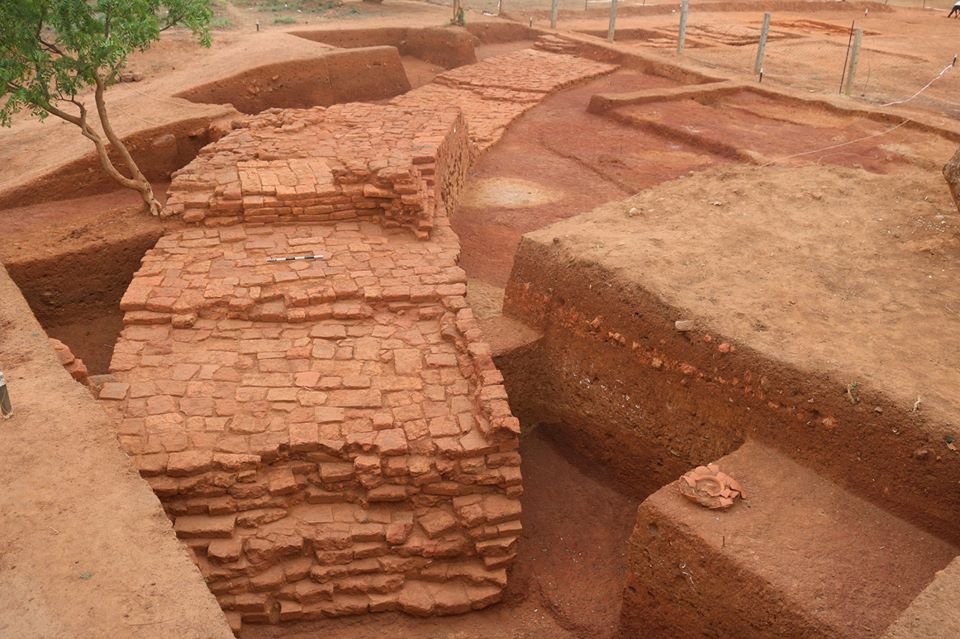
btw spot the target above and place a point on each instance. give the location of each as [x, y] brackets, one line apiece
[323, 450]
[330, 434]
[367, 161]
[344, 162]
[73, 364]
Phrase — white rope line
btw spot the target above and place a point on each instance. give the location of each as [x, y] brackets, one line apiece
[926, 86]
[837, 146]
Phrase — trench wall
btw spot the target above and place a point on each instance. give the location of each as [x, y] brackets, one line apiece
[58, 296]
[448, 47]
[632, 392]
[369, 73]
[158, 152]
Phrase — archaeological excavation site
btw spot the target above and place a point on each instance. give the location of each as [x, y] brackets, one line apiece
[545, 321]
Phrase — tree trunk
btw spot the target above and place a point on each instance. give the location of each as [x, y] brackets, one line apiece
[951, 172]
[140, 182]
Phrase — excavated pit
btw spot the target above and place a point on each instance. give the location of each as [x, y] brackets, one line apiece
[356, 75]
[76, 295]
[158, 152]
[331, 438]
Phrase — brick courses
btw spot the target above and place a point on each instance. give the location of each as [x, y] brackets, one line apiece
[346, 162]
[331, 436]
[368, 161]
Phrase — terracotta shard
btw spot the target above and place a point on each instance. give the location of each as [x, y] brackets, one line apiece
[710, 487]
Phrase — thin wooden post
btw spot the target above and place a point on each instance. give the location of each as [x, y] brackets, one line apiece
[854, 58]
[684, 9]
[554, 9]
[758, 65]
[612, 28]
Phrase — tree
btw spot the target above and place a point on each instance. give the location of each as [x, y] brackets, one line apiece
[951, 172]
[52, 51]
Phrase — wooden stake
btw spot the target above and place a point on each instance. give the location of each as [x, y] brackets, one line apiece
[758, 65]
[854, 58]
[682, 36]
[846, 57]
[612, 28]
[554, 9]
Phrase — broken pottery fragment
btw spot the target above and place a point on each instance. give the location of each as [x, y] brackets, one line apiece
[710, 487]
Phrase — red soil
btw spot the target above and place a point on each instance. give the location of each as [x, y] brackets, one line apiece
[561, 161]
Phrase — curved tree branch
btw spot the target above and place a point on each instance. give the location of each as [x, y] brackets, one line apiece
[138, 179]
[93, 136]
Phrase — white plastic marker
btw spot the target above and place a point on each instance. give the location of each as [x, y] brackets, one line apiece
[294, 258]
[6, 410]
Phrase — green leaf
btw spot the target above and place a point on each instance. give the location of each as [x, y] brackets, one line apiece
[50, 50]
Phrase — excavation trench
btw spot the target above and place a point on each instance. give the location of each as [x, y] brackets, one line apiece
[74, 281]
[76, 296]
[608, 426]
[612, 382]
